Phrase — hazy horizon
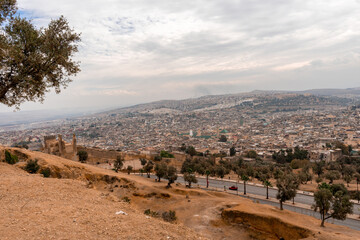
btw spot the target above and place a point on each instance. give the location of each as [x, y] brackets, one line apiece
[136, 52]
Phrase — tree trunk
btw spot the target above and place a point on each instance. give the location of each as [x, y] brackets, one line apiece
[244, 188]
[293, 200]
[267, 192]
[281, 205]
[207, 181]
[148, 175]
[159, 179]
[322, 219]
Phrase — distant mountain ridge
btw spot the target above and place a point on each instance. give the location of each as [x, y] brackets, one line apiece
[340, 97]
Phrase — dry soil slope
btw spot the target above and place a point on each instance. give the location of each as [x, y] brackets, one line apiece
[33, 207]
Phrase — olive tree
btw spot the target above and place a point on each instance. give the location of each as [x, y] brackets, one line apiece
[287, 185]
[332, 203]
[34, 60]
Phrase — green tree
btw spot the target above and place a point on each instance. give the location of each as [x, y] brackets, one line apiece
[251, 154]
[83, 156]
[348, 174]
[148, 167]
[332, 175]
[357, 177]
[160, 170]
[332, 205]
[245, 178]
[165, 154]
[129, 169]
[232, 151]
[119, 163]
[190, 178]
[287, 186]
[318, 167]
[33, 61]
[267, 184]
[171, 175]
[191, 151]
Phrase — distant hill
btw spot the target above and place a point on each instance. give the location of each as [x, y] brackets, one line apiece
[288, 100]
[348, 92]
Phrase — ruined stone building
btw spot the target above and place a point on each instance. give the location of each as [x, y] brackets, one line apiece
[58, 147]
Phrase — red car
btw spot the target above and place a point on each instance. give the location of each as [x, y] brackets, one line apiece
[233, 188]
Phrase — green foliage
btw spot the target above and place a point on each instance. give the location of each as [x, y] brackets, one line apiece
[34, 60]
[318, 167]
[342, 146]
[143, 161]
[191, 151]
[148, 167]
[332, 202]
[129, 169]
[232, 151]
[190, 178]
[160, 170]
[10, 158]
[32, 166]
[46, 172]
[287, 185]
[126, 199]
[171, 175]
[332, 175]
[251, 154]
[83, 156]
[297, 163]
[165, 154]
[286, 156]
[169, 216]
[119, 163]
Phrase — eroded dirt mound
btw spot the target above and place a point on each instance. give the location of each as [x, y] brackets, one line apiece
[264, 226]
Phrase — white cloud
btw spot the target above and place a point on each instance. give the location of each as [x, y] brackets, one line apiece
[136, 48]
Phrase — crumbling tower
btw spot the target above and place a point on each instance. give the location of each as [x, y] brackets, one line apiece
[61, 145]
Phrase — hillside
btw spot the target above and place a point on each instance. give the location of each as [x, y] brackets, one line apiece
[80, 201]
[287, 100]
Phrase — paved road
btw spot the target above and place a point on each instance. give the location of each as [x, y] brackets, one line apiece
[261, 191]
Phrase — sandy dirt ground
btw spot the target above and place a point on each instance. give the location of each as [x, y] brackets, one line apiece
[80, 201]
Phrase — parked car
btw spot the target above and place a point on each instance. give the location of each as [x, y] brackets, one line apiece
[233, 188]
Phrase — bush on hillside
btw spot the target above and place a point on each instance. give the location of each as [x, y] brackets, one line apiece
[32, 166]
[45, 172]
[169, 216]
[9, 158]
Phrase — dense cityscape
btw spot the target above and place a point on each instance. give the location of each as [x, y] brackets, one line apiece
[260, 122]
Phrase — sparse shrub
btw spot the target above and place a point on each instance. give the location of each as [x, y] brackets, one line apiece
[32, 166]
[9, 158]
[83, 156]
[151, 213]
[169, 216]
[126, 199]
[45, 172]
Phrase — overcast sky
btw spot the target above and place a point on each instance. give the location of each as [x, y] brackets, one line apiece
[135, 51]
